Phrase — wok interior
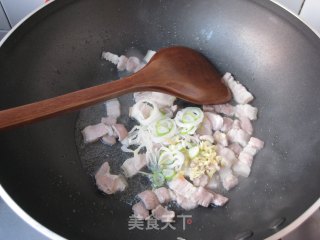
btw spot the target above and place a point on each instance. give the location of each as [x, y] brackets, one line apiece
[58, 50]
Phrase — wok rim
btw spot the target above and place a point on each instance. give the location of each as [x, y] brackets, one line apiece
[52, 235]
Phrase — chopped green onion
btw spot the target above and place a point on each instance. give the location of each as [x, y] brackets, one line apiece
[157, 179]
[168, 174]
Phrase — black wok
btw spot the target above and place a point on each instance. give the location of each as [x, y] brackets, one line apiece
[46, 170]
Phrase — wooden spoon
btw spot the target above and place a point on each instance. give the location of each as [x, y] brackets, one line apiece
[178, 71]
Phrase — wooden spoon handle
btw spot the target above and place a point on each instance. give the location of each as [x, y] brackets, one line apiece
[47, 108]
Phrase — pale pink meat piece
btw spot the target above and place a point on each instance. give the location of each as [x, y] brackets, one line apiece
[227, 124]
[139, 96]
[162, 99]
[120, 131]
[203, 197]
[246, 125]
[215, 119]
[113, 58]
[109, 121]
[184, 188]
[205, 127]
[109, 183]
[243, 166]
[149, 55]
[246, 158]
[218, 199]
[122, 63]
[220, 138]
[149, 199]
[241, 169]
[163, 195]
[92, 133]
[226, 109]
[228, 156]
[139, 211]
[214, 182]
[108, 140]
[253, 146]
[186, 203]
[236, 124]
[256, 143]
[113, 108]
[132, 64]
[228, 180]
[104, 169]
[201, 181]
[208, 108]
[246, 110]
[240, 93]
[133, 165]
[236, 148]
[163, 214]
[238, 136]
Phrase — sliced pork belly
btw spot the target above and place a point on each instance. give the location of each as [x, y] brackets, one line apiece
[120, 131]
[109, 183]
[228, 180]
[246, 158]
[256, 143]
[133, 165]
[186, 203]
[108, 140]
[149, 199]
[92, 133]
[163, 214]
[240, 93]
[246, 125]
[203, 197]
[132, 64]
[109, 121]
[246, 110]
[220, 138]
[215, 120]
[183, 187]
[149, 55]
[218, 199]
[139, 211]
[228, 156]
[241, 169]
[122, 63]
[205, 127]
[163, 195]
[139, 96]
[226, 109]
[243, 166]
[201, 181]
[238, 136]
[214, 182]
[236, 148]
[208, 108]
[161, 99]
[227, 124]
[113, 108]
[113, 58]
